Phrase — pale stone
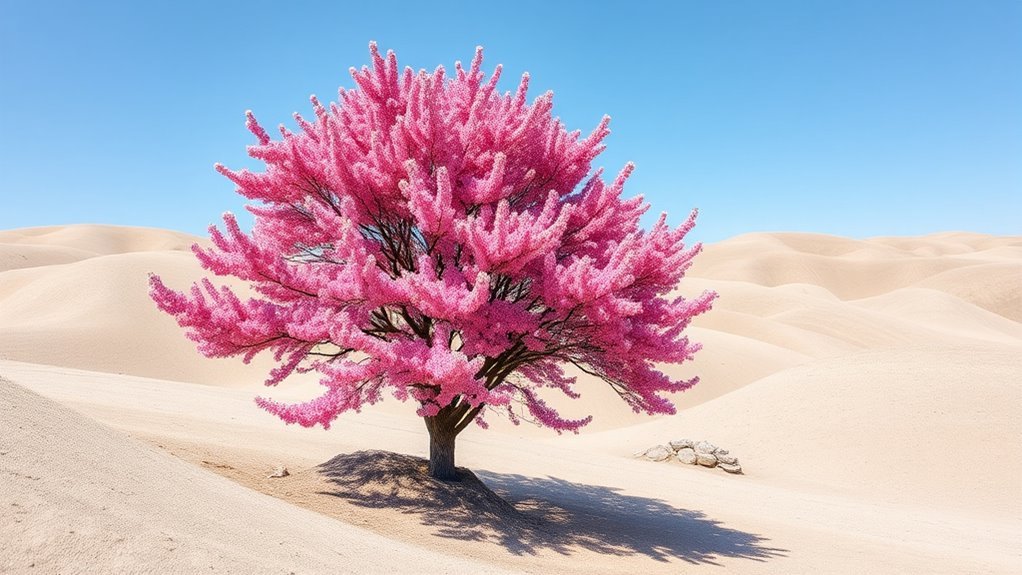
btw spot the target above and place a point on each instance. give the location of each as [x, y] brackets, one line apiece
[706, 459]
[678, 444]
[281, 471]
[728, 459]
[687, 455]
[658, 453]
[731, 467]
[705, 447]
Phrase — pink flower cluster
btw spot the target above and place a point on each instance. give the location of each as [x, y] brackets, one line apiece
[430, 237]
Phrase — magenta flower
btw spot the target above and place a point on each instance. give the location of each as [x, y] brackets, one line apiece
[434, 239]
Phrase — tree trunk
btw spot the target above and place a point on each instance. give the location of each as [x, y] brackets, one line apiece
[441, 447]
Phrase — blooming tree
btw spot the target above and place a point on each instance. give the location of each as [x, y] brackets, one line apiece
[430, 237]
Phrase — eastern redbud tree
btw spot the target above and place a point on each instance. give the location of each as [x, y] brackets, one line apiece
[432, 238]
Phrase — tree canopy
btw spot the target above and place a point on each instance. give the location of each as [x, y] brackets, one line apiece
[431, 238]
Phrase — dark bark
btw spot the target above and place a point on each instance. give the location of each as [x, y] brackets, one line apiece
[442, 433]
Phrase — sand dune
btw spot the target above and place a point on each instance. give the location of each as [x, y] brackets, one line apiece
[607, 509]
[870, 387]
[991, 286]
[100, 239]
[850, 269]
[79, 497]
[892, 426]
[96, 314]
[943, 312]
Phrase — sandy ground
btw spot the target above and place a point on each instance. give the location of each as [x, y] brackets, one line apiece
[870, 388]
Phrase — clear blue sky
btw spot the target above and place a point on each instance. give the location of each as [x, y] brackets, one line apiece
[852, 118]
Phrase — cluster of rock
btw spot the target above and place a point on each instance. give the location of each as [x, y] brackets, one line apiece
[694, 453]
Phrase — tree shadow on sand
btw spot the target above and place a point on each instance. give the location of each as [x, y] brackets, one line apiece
[527, 515]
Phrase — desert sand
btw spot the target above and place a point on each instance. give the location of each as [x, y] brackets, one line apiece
[872, 390]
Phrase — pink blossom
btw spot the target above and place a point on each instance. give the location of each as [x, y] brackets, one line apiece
[429, 237]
